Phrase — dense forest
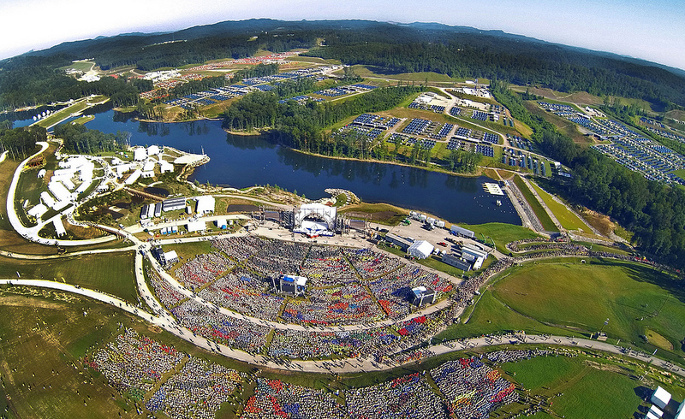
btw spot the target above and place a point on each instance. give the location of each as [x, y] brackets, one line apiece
[543, 66]
[651, 210]
[21, 142]
[42, 83]
[80, 140]
[301, 126]
[456, 51]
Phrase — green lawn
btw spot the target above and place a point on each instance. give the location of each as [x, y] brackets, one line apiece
[539, 211]
[580, 297]
[63, 114]
[501, 233]
[566, 217]
[110, 272]
[587, 392]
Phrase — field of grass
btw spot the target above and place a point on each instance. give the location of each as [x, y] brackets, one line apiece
[501, 233]
[588, 391]
[80, 66]
[539, 211]
[63, 114]
[372, 72]
[110, 272]
[41, 338]
[563, 125]
[680, 173]
[378, 213]
[581, 297]
[566, 217]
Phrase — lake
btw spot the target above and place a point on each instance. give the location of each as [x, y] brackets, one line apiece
[241, 161]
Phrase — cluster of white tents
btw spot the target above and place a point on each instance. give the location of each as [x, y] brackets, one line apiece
[143, 165]
[62, 189]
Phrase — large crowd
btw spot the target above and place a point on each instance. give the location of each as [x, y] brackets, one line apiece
[245, 292]
[472, 389]
[203, 269]
[197, 391]
[340, 305]
[409, 397]
[183, 386]
[134, 363]
[275, 399]
[211, 324]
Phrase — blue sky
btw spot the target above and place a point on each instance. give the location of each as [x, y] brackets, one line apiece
[653, 30]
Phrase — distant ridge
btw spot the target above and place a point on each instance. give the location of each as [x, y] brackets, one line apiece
[256, 26]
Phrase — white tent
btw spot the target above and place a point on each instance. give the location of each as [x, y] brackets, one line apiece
[59, 227]
[193, 226]
[661, 397]
[655, 411]
[139, 154]
[205, 204]
[420, 249]
[38, 211]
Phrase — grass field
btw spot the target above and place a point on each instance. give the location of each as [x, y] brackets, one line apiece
[501, 233]
[580, 297]
[539, 211]
[566, 217]
[378, 213]
[563, 125]
[111, 273]
[588, 390]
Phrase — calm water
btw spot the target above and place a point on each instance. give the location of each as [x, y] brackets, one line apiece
[241, 161]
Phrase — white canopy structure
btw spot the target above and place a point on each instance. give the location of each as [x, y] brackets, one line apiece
[420, 249]
[38, 211]
[205, 204]
[661, 397]
[194, 226]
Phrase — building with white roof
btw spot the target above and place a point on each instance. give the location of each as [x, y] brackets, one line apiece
[47, 199]
[38, 211]
[420, 249]
[422, 295]
[166, 166]
[680, 413]
[139, 154]
[133, 177]
[59, 227]
[149, 166]
[291, 284]
[59, 191]
[194, 226]
[205, 204]
[147, 174]
[153, 150]
[661, 397]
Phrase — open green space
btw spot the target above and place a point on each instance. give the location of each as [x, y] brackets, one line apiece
[80, 66]
[110, 272]
[63, 114]
[580, 297]
[371, 72]
[578, 388]
[378, 213]
[539, 211]
[501, 233]
[566, 217]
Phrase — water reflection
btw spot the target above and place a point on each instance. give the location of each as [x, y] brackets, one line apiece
[241, 161]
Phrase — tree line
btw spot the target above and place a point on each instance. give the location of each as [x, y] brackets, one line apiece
[649, 209]
[21, 142]
[80, 140]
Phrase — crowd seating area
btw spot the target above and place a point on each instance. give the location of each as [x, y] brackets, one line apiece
[472, 388]
[275, 399]
[408, 397]
[197, 391]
